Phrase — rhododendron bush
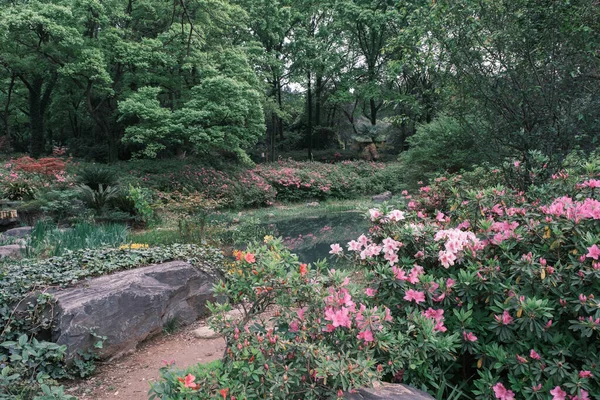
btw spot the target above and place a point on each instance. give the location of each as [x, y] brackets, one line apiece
[464, 291]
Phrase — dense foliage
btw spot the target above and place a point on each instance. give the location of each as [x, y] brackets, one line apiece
[108, 80]
[467, 291]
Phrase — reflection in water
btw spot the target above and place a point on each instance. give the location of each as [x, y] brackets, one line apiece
[310, 237]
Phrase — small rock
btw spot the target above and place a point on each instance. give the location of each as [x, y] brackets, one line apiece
[380, 198]
[388, 391]
[205, 332]
[19, 232]
[11, 251]
[313, 204]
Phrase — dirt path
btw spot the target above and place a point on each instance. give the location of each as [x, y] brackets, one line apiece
[128, 378]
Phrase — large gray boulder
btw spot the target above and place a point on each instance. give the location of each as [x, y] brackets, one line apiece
[388, 391]
[130, 306]
[19, 233]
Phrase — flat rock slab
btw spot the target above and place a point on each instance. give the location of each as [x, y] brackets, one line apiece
[130, 306]
[11, 251]
[388, 391]
[21, 232]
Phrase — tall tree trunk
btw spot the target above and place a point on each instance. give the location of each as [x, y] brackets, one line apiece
[7, 111]
[38, 102]
[318, 105]
[373, 114]
[280, 102]
[309, 126]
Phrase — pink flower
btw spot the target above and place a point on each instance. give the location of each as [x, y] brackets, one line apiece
[433, 314]
[585, 374]
[370, 292]
[336, 249]
[375, 214]
[399, 273]
[534, 355]
[469, 337]
[450, 283]
[593, 252]
[366, 335]
[396, 215]
[521, 359]
[502, 393]
[415, 295]
[294, 327]
[505, 319]
[338, 317]
[440, 216]
[249, 257]
[584, 396]
[354, 246]
[558, 394]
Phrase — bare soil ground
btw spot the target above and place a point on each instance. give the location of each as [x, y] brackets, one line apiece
[128, 378]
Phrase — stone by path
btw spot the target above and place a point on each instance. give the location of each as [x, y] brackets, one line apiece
[128, 378]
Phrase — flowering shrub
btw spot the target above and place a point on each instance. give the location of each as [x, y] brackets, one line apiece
[282, 181]
[24, 176]
[469, 292]
[322, 337]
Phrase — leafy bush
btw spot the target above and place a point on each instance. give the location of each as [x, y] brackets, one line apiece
[98, 199]
[443, 145]
[304, 356]
[95, 176]
[23, 299]
[493, 294]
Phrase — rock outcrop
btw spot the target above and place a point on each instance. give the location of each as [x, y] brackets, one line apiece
[380, 198]
[388, 391]
[130, 306]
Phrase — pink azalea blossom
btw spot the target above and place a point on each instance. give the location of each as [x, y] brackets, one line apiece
[558, 394]
[505, 319]
[354, 246]
[585, 374]
[534, 355]
[469, 337]
[399, 273]
[370, 292]
[339, 317]
[375, 214]
[336, 249]
[502, 393]
[396, 215]
[414, 295]
[366, 335]
[593, 252]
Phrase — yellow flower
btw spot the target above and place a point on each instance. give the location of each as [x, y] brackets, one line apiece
[268, 238]
[133, 246]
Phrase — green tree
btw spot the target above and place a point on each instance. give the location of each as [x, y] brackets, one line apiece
[528, 69]
[37, 41]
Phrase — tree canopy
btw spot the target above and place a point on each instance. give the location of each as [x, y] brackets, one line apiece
[112, 79]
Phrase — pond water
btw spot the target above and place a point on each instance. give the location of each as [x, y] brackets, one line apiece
[310, 237]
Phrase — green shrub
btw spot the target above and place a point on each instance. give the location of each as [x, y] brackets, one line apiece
[444, 145]
[95, 176]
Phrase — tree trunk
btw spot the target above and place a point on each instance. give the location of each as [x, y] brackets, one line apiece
[373, 114]
[37, 140]
[279, 101]
[309, 115]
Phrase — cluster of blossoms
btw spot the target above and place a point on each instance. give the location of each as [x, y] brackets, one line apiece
[573, 210]
[456, 243]
[341, 311]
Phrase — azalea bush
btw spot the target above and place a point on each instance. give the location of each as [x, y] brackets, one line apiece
[461, 290]
[287, 181]
[24, 177]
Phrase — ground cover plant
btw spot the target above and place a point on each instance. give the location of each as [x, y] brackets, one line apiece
[469, 291]
[27, 363]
